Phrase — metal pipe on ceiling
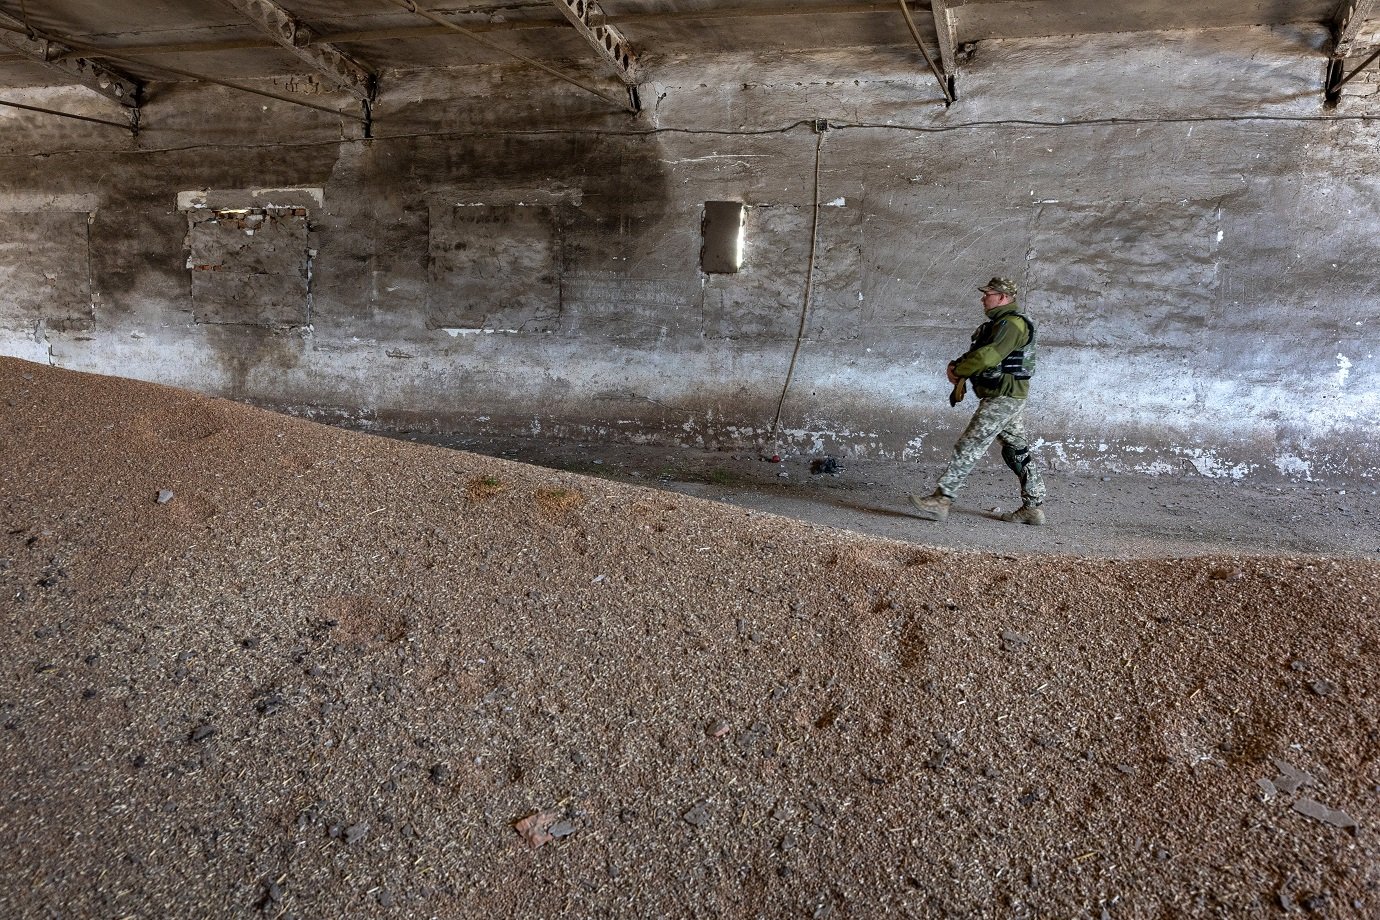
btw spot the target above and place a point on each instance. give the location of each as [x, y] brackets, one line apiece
[99, 53]
[38, 48]
[236, 44]
[99, 121]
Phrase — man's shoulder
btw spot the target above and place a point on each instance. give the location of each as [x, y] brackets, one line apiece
[1024, 322]
[996, 323]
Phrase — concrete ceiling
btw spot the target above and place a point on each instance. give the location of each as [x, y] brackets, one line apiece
[214, 38]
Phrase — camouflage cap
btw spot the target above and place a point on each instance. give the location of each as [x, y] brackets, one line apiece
[1001, 286]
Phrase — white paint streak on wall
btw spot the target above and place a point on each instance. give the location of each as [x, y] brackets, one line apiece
[1343, 369]
[33, 347]
[1173, 460]
[718, 156]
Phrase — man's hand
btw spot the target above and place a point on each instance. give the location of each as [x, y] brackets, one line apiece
[960, 391]
[960, 385]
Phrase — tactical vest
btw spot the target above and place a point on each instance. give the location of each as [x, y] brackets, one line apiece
[1020, 364]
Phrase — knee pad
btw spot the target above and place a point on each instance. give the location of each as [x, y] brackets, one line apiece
[1015, 459]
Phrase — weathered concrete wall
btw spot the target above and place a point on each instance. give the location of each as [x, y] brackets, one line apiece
[1195, 233]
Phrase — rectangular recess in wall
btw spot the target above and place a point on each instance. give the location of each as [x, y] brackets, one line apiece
[722, 249]
[45, 270]
[493, 266]
[249, 265]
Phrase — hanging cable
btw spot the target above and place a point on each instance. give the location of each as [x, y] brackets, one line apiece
[915, 33]
[809, 287]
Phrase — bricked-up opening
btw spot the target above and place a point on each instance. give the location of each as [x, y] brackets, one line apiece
[249, 266]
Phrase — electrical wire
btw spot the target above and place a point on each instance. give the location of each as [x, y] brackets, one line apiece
[760, 132]
[98, 121]
[809, 290]
[833, 126]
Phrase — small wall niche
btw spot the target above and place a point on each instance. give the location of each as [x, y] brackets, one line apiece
[721, 252]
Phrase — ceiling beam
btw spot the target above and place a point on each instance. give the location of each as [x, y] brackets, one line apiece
[1351, 16]
[947, 30]
[237, 44]
[915, 34]
[412, 7]
[650, 19]
[55, 55]
[604, 38]
[298, 39]
[91, 51]
[230, 84]
[406, 33]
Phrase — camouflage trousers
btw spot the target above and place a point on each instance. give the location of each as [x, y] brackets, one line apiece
[999, 418]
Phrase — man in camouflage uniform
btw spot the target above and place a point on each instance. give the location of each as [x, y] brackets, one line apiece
[999, 366]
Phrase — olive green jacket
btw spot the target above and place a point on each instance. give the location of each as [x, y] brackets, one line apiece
[1002, 339]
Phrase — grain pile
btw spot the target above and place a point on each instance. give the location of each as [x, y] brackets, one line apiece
[336, 675]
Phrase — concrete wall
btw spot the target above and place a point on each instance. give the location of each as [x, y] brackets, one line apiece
[1196, 234]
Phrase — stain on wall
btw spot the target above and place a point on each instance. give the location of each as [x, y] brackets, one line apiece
[1122, 274]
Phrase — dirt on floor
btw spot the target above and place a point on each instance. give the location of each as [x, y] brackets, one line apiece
[1104, 516]
[258, 666]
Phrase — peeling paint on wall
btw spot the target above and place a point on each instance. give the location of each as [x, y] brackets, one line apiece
[452, 332]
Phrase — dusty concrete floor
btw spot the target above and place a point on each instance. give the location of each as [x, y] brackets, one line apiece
[1125, 516]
